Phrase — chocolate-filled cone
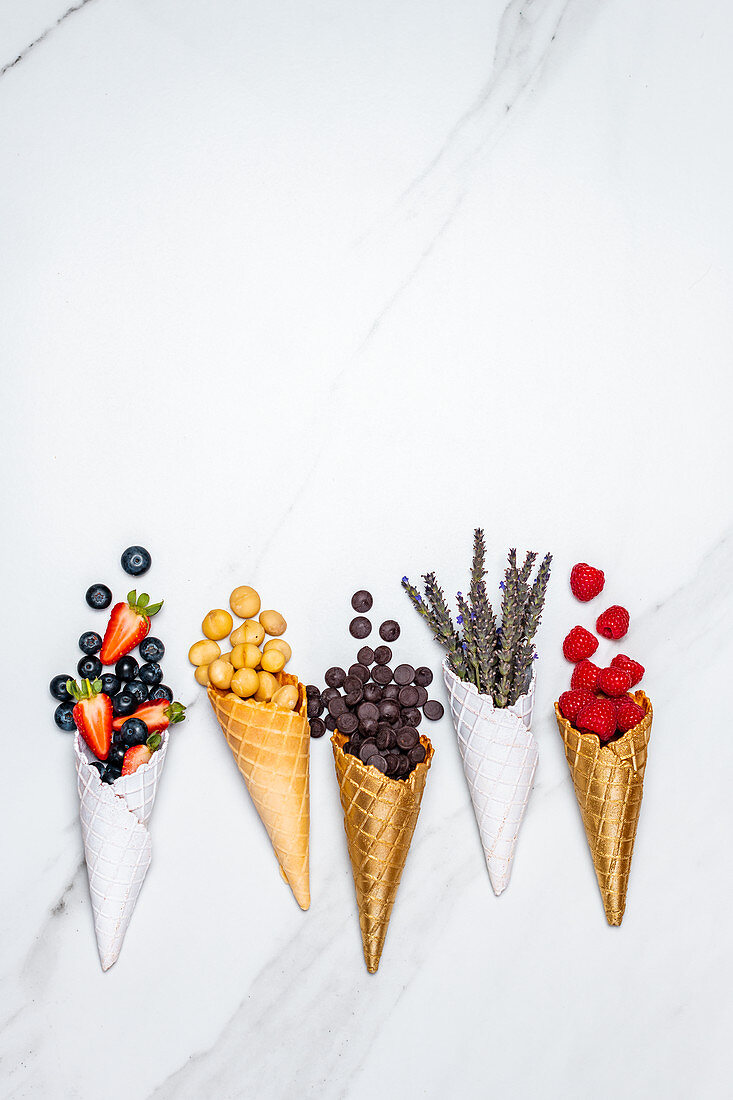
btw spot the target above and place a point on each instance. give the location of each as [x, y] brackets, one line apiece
[609, 783]
[272, 749]
[380, 815]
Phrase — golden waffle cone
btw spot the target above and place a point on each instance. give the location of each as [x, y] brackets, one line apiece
[380, 815]
[272, 747]
[609, 783]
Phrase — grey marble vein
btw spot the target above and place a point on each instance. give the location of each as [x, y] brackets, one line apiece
[42, 37]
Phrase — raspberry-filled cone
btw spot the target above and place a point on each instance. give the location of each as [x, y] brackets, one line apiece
[380, 815]
[499, 756]
[117, 845]
[609, 783]
[272, 749]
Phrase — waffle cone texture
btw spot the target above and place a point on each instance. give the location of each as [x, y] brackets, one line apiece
[117, 846]
[499, 755]
[380, 815]
[609, 784]
[272, 749]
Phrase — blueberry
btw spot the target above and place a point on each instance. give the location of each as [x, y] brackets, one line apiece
[111, 773]
[98, 765]
[116, 756]
[99, 597]
[134, 732]
[137, 689]
[124, 703]
[90, 642]
[135, 560]
[89, 668]
[118, 737]
[162, 691]
[57, 687]
[126, 668]
[63, 716]
[152, 649]
[151, 674]
[110, 684]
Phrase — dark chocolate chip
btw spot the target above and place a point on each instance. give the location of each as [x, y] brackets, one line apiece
[404, 674]
[389, 631]
[423, 676]
[362, 601]
[417, 755]
[377, 761]
[422, 696]
[365, 656]
[330, 723]
[382, 654]
[368, 710]
[335, 677]
[354, 697]
[409, 696]
[390, 691]
[368, 726]
[352, 683]
[433, 710]
[389, 710]
[359, 670]
[347, 723]
[381, 674]
[312, 692]
[367, 749]
[318, 727]
[393, 762]
[336, 706]
[315, 707]
[327, 695]
[411, 716]
[372, 693]
[360, 627]
[407, 737]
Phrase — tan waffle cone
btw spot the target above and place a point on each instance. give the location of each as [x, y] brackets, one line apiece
[380, 815]
[609, 783]
[272, 749]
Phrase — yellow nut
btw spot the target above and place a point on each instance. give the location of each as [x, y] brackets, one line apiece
[273, 623]
[282, 645]
[272, 661]
[220, 674]
[226, 656]
[203, 652]
[201, 675]
[237, 656]
[286, 696]
[266, 688]
[244, 602]
[251, 656]
[245, 682]
[217, 624]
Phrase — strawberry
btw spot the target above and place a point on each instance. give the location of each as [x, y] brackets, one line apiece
[137, 755]
[633, 667]
[157, 715]
[628, 714]
[570, 702]
[613, 622]
[92, 715]
[586, 581]
[585, 675]
[128, 624]
[614, 681]
[598, 717]
[579, 644]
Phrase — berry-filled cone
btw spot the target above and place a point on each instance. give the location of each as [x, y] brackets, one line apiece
[380, 815]
[272, 749]
[609, 784]
[499, 756]
[117, 845]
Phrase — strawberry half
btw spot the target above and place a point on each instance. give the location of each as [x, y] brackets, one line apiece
[137, 755]
[93, 715]
[156, 716]
[128, 624]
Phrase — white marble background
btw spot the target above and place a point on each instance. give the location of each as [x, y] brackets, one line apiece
[296, 294]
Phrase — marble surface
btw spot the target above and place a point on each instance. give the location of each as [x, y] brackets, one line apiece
[296, 295]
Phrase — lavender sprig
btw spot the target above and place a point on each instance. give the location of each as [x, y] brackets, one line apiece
[439, 621]
[467, 619]
[485, 623]
[531, 620]
[511, 633]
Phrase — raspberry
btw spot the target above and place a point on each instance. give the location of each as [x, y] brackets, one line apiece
[628, 715]
[570, 702]
[585, 675]
[614, 681]
[633, 667]
[613, 623]
[586, 581]
[598, 717]
[579, 644]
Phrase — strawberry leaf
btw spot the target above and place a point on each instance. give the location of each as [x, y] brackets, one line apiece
[176, 712]
[153, 609]
[154, 742]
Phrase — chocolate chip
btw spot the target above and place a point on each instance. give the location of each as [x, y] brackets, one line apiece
[382, 739]
[368, 710]
[368, 726]
[389, 631]
[377, 761]
[365, 656]
[381, 674]
[315, 707]
[318, 727]
[367, 749]
[411, 716]
[404, 674]
[359, 670]
[335, 677]
[389, 710]
[372, 693]
[390, 691]
[403, 765]
[312, 692]
[348, 723]
[423, 676]
[352, 683]
[433, 710]
[407, 737]
[327, 695]
[382, 654]
[330, 723]
[422, 697]
[408, 696]
[354, 697]
[362, 601]
[360, 627]
[417, 755]
[336, 706]
[393, 762]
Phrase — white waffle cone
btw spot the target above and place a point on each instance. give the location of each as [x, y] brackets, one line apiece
[117, 845]
[499, 756]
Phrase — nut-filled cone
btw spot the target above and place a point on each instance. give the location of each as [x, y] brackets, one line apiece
[117, 845]
[609, 783]
[380, 815]
[272, 749]
[499, 757]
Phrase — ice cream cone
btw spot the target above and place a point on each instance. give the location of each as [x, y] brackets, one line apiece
[117, 845]
[271, 747]
[499, 761]
[609, 783]
[380, 815]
